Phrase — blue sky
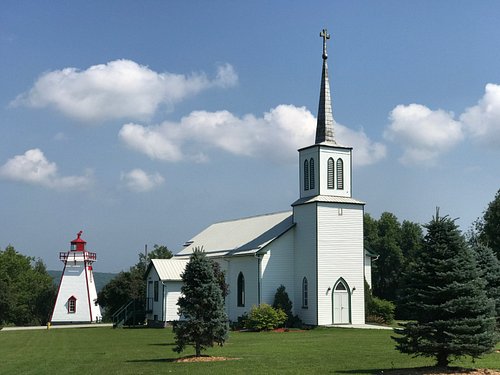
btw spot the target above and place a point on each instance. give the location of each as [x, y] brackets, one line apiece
[142, 122]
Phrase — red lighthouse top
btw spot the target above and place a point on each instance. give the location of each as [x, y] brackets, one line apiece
[78, 244]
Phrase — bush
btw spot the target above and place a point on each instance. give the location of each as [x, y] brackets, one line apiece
[380, 311]
[264, 318]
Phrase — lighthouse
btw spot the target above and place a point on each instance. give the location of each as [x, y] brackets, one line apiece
[76, 300]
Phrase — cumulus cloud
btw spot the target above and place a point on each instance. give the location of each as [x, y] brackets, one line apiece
[33, 168]
[423, 133]
[482, 121]
[139, 181]
[276, 135]
[118, 89]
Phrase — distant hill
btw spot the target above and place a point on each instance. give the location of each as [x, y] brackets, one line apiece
[101, 278]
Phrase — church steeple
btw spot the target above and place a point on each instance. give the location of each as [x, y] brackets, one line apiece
[324, 127]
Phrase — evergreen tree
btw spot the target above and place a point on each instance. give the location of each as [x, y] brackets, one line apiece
[489, 271]
[454, 317]
[201, 307]
[489, 226]
[283, 302]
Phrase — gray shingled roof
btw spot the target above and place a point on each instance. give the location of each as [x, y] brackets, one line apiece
[241, 236]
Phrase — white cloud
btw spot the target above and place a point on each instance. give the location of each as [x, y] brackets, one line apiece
[139, 181]
[423, 133]
[276, 135]
[33, 168]
[482, 121]
[118, 89]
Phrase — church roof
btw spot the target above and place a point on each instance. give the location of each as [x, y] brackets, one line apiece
[168, 269]
[240, 237]
[327, 199]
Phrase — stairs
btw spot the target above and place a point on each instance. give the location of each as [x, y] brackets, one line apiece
[131, 314]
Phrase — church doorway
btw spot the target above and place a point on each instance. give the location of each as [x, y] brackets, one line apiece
[341, 303]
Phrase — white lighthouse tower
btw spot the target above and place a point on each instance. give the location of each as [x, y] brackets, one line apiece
[76, 300]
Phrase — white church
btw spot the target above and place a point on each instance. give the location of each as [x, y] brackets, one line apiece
[315, 250]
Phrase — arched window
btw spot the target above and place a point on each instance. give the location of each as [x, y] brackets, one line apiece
[71, 305]
[311, 179]
[241, 290]
[330, 173]
[305, 292]
[306, 175]
[340, 174]
[340, 286]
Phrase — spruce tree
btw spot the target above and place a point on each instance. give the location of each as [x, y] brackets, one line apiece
[454, 317]
[204, 320]
[489, 271]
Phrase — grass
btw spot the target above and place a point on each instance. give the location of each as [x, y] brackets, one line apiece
[149, 351]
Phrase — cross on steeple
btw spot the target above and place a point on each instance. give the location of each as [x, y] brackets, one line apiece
[324, 34]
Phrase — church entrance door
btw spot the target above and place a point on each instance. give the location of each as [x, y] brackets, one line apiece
[341, 311]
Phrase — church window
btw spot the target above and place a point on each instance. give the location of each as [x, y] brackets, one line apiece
[72, 305]
[155, 292]
[241, 290]
[340, 286]
[340, 174]
[311, 173]
[306, 175]
[305, 292]
[331, 182]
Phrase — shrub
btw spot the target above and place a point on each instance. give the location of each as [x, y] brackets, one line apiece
[265, 317]
[380, 311]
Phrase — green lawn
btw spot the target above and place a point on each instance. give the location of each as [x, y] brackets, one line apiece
[149, 351]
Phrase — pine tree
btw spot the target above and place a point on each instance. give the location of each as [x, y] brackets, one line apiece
[454, 317]
[489, 271]
[283, 302]
[204, 320]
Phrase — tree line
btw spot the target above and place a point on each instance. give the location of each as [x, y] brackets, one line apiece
[398, 245]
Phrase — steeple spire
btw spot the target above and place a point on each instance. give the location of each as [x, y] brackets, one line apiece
[324, 127]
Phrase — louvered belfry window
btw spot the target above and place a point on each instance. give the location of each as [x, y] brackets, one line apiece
[306, 175]
[330, 178]
[311, 173]
[340, 174]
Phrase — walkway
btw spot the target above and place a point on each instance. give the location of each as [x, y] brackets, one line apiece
[95, 325]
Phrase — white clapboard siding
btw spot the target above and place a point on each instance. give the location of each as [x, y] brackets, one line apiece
[248, 265]
[74, 284]
[172, 294]
[277, 268]
[340, 255]
[305, 261]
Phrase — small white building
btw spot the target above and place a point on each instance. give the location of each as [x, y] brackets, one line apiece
[315, 250]
[77, 295]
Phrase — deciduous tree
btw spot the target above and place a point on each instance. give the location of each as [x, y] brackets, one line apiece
[27, 292]
[129, 285]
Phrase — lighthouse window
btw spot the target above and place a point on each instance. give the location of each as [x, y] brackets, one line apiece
[72, 305]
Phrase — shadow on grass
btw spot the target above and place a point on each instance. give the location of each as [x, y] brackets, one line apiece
[163, 344]
[153, 360]
[365, 371]
[411, 371]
